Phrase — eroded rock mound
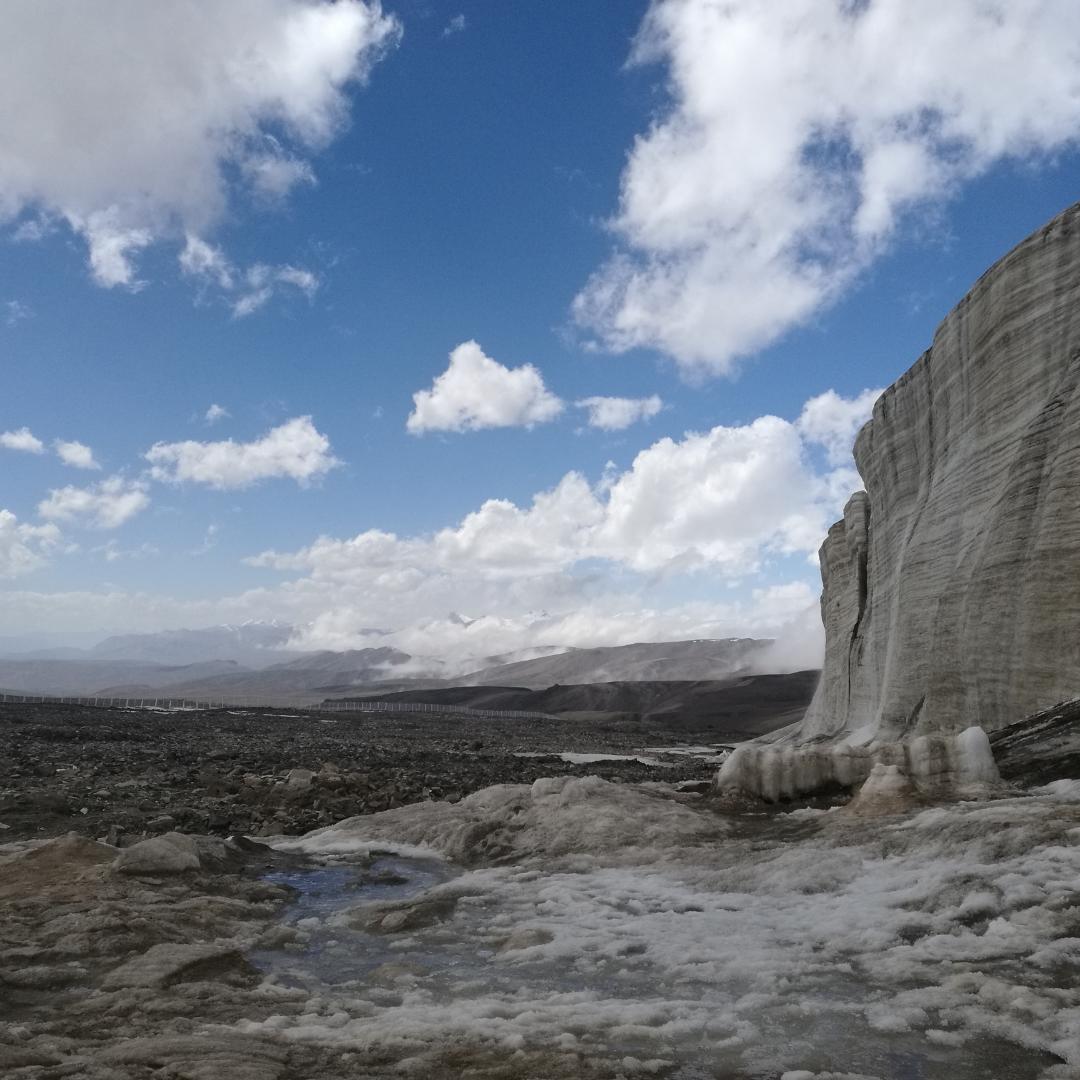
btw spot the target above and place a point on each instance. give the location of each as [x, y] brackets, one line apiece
[550, 819]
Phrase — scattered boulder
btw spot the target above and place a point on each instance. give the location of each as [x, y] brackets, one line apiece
[71, 851]
[173, 853]
[202, 1056]
[299, 778]
[525, 938]
[170, 963]
[397, 917]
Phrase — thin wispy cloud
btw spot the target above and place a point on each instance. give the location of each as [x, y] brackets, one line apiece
[16, 311]
[455, 26]
[245, 291]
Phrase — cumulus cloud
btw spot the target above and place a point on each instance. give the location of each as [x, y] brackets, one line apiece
[133, 122]
[24, 548]
[23, 439]
[106, 505]
[617, 413]
[725, 506]
[293, 450]
[731, 516]
[215, 413]
[833, 421]
[794, 144]
[477, 392]
[76, 454]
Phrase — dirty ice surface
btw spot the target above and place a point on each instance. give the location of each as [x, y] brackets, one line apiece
[580, 928]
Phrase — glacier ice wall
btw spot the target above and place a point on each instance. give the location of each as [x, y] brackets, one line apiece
[952, 584]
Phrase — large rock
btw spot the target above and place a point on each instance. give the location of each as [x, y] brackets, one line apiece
[952, 586]
[170, 963]
[173, 853]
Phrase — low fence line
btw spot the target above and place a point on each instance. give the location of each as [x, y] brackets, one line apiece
[322, 706]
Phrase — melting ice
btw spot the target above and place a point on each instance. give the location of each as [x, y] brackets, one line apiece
[595, 929]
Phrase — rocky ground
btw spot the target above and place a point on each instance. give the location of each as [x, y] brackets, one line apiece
[124, 965]
[145, 957]
[121, 775]
[126, 921]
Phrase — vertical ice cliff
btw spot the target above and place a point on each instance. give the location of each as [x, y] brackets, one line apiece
[951, 588]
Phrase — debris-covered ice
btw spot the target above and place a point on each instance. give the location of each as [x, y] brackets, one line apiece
[626, 931]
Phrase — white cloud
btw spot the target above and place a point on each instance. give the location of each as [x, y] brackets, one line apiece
[112, 552]
[777, 612]
[24, 548]
[76, 454]
[112, 247]
[728, 517]
[245, 290]
[15, 311]
[203, 261]
[274, 172]
[617, 413]
[129, 121]
[209, 541]
[477, 392]
[294, 450]
[717, 509]
[23, 439]
[215, 413]
[455, 26]
[834, 421]
[794, 145]
[106, 505]
[261, 282]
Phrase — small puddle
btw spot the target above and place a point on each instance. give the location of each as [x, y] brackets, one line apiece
[334, 953]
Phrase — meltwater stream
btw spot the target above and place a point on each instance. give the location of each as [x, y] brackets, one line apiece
[376, 985]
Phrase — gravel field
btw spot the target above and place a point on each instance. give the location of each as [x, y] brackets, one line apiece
[123, 774]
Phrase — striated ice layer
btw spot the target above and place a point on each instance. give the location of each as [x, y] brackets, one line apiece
[951, 588]
[935, 764]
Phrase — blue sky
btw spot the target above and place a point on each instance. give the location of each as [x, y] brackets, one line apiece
[634, 199]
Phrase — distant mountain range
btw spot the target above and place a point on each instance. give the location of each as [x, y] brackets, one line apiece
[741, 707]
[253, 644]
[248, 663]
[667, 661]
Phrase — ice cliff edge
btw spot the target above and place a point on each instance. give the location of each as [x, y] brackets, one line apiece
[951, 588]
